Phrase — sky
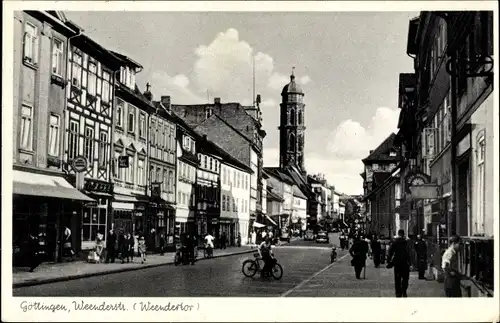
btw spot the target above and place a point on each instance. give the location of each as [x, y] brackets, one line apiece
[348, 64]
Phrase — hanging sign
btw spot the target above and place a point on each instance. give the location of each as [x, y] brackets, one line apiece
[79, 164]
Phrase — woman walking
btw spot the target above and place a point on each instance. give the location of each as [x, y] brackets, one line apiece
[142, 248]
[376, 250]
[358, 252]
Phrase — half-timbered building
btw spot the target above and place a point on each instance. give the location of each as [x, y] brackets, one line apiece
[90, 90]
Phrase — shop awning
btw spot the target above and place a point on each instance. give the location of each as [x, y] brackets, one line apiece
[270, 220]
[258, 225]
[125, 198]
[33, 184]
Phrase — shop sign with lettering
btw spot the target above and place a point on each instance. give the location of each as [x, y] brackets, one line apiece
[98, 186]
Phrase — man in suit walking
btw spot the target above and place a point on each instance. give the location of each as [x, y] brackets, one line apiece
[399, 259]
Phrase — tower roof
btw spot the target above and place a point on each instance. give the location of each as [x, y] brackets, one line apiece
[292, 87]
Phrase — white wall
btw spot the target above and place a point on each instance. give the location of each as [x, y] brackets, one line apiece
[482, 124]
[186, 177]
[240, 191]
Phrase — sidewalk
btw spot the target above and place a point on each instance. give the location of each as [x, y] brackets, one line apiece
[56, 272]
[338, 280]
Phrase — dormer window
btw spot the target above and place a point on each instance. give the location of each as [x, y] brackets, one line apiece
[208, 112]
[127, 77]
[392, 153]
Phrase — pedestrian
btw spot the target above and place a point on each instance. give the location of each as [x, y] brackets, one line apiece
[254, 238]
[67, 247]
[122, 248]
[238, 240]
[33, 252]
[421, 250]
[99, 247]
[142, 248]
[110, 247]
[376, 250]
[383, 250]
[130, 247]
[162, 244]
[399, 259]
[223, 240]
[358, 252]
[452, 275]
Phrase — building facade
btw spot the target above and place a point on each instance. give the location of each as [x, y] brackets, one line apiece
[453, 53]
[90, 90]
[130, 152]
[247, 123]
[43, 201]
[299, 211]
[235, 200]
[162, 170]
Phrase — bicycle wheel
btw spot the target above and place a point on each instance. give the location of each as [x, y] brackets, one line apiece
[249, 268]
[277, 271]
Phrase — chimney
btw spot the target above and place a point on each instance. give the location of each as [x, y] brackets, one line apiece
[205, 138]
[165, 100]
[148, 95]
[216, 100]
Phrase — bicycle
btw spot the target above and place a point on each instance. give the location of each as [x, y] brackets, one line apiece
[208, 251]
[250, 267]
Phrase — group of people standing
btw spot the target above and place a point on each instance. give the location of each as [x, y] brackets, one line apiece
[121, 246]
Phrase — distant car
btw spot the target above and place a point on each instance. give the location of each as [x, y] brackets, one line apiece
[285, 236]
[309, 235]
[322, 237]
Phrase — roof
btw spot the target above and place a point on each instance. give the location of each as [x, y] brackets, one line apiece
[273, 196]
[292, 87]
[381, 153]
[210, 145]
[298, 193]
[299, 179]
[229, 125]
[126, 59]
[278, 173]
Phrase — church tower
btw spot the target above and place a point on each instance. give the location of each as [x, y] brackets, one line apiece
[292, 126]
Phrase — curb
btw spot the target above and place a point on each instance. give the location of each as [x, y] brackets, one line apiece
[113, 271]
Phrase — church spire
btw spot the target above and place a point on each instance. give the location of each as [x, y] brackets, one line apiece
[292, 77]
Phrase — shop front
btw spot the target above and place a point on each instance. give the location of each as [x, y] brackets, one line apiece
[43, 205]
[160, 221]
[96, 217]
[229, 227]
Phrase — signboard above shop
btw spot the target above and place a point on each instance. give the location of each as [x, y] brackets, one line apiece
[123, 162]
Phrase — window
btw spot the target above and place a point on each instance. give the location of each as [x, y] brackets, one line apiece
[234, 205]
[142, 125]
[193, 150]
[211, 163]
[216, 166]
[292, 117]
[208, 112]
[73, 139]
[158, 174]
[103, 148]
[26, 128]
[291, 142]
[53, 135]
[165, 135]
[57, 57]
[119, 114]
[92, 79]
[160, 135]
[76, 70]
[480, 181]
[131, 119]
[237, 203]
[375, 167]
[234, 178]
[205, 159]
[105, 87]
[223, 202]
[171, 181]
[88, 144]
[300, 118]
[166, 182]
[140, 172]
[172, 138]
[118, 171]
[93, 222]
[187, 142]
[392, 154]
[30, 44]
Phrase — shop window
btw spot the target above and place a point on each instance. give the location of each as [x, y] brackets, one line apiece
[93, 222]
